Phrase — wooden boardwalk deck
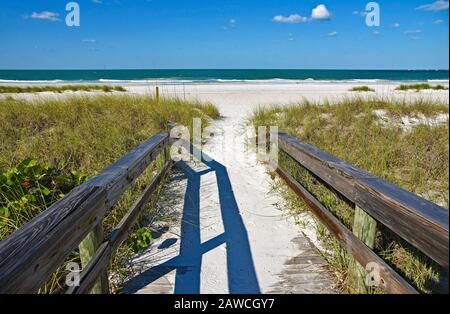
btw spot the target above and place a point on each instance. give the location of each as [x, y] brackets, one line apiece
[176, 265]
[227, 233]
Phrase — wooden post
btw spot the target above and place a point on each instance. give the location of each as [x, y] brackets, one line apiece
[364, 228]
[87, 248]
[157, 93]
[169, 126]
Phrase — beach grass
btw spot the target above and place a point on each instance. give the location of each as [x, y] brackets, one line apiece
[208, 109]
[419, 87]
[49, 146]
[60, 89]
[362, 89]
[414, 158]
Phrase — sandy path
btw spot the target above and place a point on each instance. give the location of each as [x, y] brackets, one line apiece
[229, 236]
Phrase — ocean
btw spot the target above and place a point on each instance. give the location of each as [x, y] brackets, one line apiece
[221, 75]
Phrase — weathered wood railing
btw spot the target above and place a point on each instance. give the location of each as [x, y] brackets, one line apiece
[421, 223]
[30, 255]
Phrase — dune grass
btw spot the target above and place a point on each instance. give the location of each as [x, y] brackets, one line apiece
[362, 89]
[419, 87]
[414, 159]
[208, 109]
[47, 147]
[60, 89]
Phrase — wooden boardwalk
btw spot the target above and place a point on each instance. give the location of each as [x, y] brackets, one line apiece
[203, 264]
[229, 236]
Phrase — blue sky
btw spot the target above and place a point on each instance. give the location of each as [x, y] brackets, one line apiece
[118, 34]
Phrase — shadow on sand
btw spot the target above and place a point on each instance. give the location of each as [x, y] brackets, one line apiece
[240, 269]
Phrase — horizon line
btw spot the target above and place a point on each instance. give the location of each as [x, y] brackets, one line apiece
[215, 69]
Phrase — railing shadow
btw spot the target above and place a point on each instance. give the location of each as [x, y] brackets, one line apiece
[241, 273]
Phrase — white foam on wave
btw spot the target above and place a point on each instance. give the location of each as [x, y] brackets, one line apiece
[32, 81]
[438, 81]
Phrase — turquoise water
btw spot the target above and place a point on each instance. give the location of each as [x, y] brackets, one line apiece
[215, 75]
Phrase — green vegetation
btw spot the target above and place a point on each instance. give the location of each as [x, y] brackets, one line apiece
[140, 240]
[419, 87]
[85, 133]
[362, 89]
[416, 160]
[60, 89]
[28, 188]
[47, 147]
[208, 109]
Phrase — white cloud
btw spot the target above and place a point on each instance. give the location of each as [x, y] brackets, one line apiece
[438, 22]
[293, 19]
[332, 34]
[439, 5]
[97, 1]
[376, 33]
[89, 41]
[361, 13]
[414, 31]
[396, 25]
[45, 15]
[320, 13]
[231, 24]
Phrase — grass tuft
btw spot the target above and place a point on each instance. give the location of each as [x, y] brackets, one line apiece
[60, 89]
[362, 89]
[419, 87]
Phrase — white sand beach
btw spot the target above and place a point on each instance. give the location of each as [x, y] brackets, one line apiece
[244, 96]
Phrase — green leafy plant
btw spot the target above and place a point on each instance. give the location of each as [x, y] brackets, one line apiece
[29, 188]
[140, 240]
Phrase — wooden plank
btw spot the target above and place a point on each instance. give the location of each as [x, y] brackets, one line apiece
[96, 266]
[90, 274]
[87, 249]
[364, 228]
[119, 176]
[121, 232]
[420, 222]
[393, 282]
[31, 254]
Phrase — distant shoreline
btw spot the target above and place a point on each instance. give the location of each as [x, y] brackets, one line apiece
[231, 94]
[218, 76]
[163, 82]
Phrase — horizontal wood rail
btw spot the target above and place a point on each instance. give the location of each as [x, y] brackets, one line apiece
[31, 254]
[421, 223]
